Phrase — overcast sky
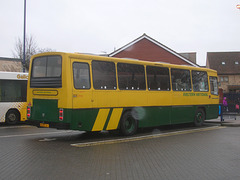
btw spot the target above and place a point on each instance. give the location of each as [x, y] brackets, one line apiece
[97, 26]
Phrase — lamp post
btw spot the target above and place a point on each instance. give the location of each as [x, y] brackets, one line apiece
[238, 6]
[24, 37]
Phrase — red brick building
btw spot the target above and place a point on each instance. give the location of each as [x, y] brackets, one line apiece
[147, 48]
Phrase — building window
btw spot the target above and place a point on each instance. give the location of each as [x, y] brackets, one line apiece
[224, 79]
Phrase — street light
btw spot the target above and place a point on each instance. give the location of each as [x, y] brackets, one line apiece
[238, 6]
[24, 36]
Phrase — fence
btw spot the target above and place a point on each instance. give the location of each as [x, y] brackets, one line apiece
[233, 99]
[230, 109]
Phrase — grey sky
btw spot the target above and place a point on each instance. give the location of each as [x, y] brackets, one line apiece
[97, 26]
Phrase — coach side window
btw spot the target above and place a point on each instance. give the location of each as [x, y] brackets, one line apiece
[213, 85]
[181, 80]
[200, 81]
[131, 77]
[81, 76]
[158, 78]
[104, 75]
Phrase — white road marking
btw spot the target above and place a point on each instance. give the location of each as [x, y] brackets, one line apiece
[35, 134]
[15, 127]
[47, 139]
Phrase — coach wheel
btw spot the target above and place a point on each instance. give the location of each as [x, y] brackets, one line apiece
[199, 117]
[128, 125]
[12, 117]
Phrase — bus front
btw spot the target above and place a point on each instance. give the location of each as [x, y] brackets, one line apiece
[48, 91]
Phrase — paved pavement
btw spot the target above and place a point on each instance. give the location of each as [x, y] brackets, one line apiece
[230, 119]
[176, 152]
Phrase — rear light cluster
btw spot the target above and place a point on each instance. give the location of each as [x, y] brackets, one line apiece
[60, 114]
[28, 112]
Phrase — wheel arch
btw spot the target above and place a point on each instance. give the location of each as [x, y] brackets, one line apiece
[123, 116]
[13, 109]
[204, 110]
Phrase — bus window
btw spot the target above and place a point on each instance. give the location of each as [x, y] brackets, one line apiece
[158, 78]
[104, 75]
[214, 85]
[200, 81]
[46, 72]
[131, 77]
[13, 90]
[81, 76]
[181, 80]
[47, 66]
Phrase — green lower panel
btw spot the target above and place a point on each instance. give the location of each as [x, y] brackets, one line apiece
[44, 110]
[212, 111]
[157, 116]
[182, 114]
[83, 119]
[152, 116]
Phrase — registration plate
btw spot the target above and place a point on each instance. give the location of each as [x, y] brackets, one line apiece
[44, 125]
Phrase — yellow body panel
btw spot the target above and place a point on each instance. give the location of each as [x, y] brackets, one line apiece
[71, 98]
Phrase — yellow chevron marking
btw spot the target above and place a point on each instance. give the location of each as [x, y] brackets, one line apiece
[114, 120]
[100, 120]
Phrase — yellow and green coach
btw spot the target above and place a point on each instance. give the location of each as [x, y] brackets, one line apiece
[95, 93]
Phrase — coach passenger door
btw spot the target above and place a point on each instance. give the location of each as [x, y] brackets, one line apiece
[81, 93]
[214, 108]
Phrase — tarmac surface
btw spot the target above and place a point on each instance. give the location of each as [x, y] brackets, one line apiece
[169, 152]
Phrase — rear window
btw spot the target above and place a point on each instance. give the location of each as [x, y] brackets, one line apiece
[46, 72]
[47, 66]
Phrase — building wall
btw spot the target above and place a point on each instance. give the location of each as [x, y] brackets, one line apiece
[232, 80]
[10, 66]
[147, 50]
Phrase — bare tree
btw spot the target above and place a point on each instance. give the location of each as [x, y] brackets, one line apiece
[30, 49]
[43, 50]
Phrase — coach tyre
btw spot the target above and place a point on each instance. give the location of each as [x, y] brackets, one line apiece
[128, 124]
[199, 117]
[12, 117]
